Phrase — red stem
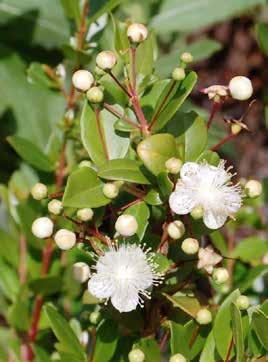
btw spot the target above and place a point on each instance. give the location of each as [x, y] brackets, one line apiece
[119, 84]
[228, 138]
[119, 115]
[23, 259]
[227, 359]
[215, 108]
[133, 63]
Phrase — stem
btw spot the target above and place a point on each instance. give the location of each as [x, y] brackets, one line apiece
[102, 139]
[83, 27]
[119, 84]
[164, 341]
[112, 110]
[23, 259]
[134, 191]
[130, 204]
[227, 359]
[133, 66]
[194, 336]
[216, 106]
[164, 237]
[228, 138]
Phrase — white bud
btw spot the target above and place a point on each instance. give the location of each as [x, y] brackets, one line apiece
[85, 163]
[220, 275]
[137, 32]
[55, 206]
[178, 74]
[177, 358]
[95, 95]
[42, 227]
[84, 338]
[204, 316]
[136, 355]
[197, 212]
[85, 214]
[173, 165]
[94, 317]
[242, 302]
[82, 80]
[110, 190]
[106, 60]
[39, 191]
[253, 188]
[65, 239]
[176, 229]
[190, 246]
[241, 88]
[126, 225]
[187, 57]
[81, 272]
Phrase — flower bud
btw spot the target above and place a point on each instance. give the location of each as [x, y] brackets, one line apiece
[177, 358]
[137, 33]
[236, 129]
[65, 239]
[253, 188]
[110, 190]
[197, 212]
[241, 88]
[204, 316]
[176, 229]
[85, 163]
[178, 74]
[126, 225]
[42, 227]
[187, 57]
[95, 95]
[242, 302]
[220, 275]
[190, 246]
[39, 191]
[173, 165]
[81, 272]
[85, 214]
[82, 80]
[84, 338]
[55, 206]
[94, 317]
[106, 60]
[136, 355]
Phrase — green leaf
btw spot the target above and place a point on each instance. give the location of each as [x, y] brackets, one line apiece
[69, 343]
[84, 189]
[121, 42]
[72, 10]
[47, 285]
[9, 282]
[222, 329]
[18, 315]
[142, 213]
[251, 276]
[106, 341]
[208, 352]
[262, 36]
[162, 262]
[153, 198]
[150, 348]
[9, 249]
[155, 150]
[100, 7]
[178, 341]
[211, 157]
[188, 304]
[31, 153]
[243, 250]
[145, 56]
[37, 75]
[124, 170]
[165, 184]
[238, 334]
[180, 92]
[196, 14]
[99, 138]
[260, 325]
[219, 242]
[40, 354]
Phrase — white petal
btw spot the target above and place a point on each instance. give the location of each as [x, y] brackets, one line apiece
[125, 300]
[213, 219]
[181, 201]
[101, 287]
[188, 171]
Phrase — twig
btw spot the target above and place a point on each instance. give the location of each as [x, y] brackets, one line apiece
[119, 115]
[83, 27]
[23, 259]
[215, 108]
[119, 84]
[228, 138]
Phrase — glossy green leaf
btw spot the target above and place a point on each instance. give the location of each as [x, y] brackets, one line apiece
[262, 36]
[9, 281]
[72, 10]
[153, 198]
[37, 75]
[123, 169]
[9, 248]
[84, 189]
[150, 348]
[260, 325]
[145, 56]
[219, 242]
[251, 276]
[243, 250]
[155, 150]
[238, 334]
[100, 7]
[178, 342]
[188, 304]
[31, 153]
[165, 184]
[210, 157]
[106, 342]
[121, 42]
[18, 315]
[208, 352]
[162, 262]
[47, 285]
[142, 213]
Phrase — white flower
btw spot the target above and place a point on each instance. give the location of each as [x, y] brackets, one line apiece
[207, 186]
[123, 274]
[208, 259]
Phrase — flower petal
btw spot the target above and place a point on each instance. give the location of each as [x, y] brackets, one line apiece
[101, 287]
[213, 219]
[181, 201]
[125, 300]
[188, 171]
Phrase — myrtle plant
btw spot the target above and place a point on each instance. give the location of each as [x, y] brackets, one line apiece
[128, 242]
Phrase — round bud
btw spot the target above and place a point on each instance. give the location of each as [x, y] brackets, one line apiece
[197, 212]
[242, 302]
[137, 33]
[65, 239]
[136, 355]
[106, 60]
[176, 229]
[85, 163]
[119, 183]
[177, 358]
[82, 80]
[85, 214]
[236, 129]
[42, 227]
[39, 191]
[55, 207]
[173, 165]
[187, 57]
[190, 246]
[126, 225]
[204, 316]
[241, 88]
[94, 317]
[81, 272]
[95, 95]
[84, 338]
[253, 188]
[220, 275]
[178, 74]
[110, 190]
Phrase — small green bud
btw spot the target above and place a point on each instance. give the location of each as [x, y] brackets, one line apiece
[176, 229]
[177, 358]
[242, 302]
[173, 165]
[95, 95]
[204, 316]
[110, 190]
[197, 212]
[94, 317]
[55, 207]
[253, 188]
[190, 246]
[220, 275]
[85, 214]
[136, 355]
[39, 191]
[187, 57]
[178, 74]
